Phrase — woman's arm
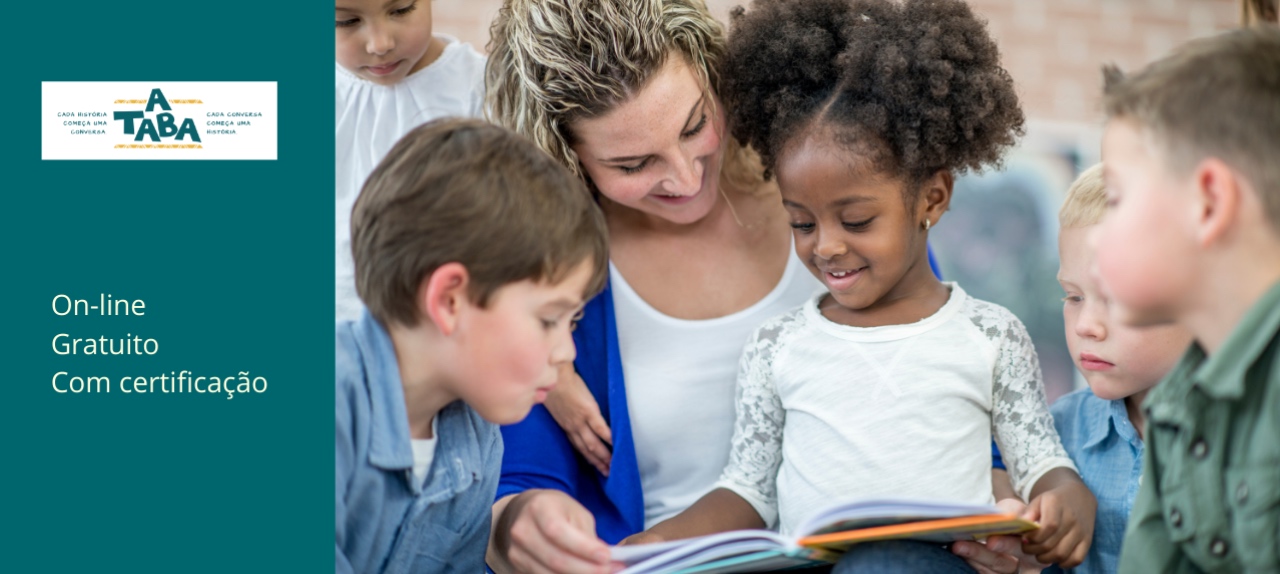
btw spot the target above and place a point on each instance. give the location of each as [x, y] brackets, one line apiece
[577, 412]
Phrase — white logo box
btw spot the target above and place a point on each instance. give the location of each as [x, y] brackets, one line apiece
[233, 120]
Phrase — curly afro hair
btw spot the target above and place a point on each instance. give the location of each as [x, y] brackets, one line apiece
[913, 87]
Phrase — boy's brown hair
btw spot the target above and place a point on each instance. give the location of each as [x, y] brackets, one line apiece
[466, 191]
[1218, 97]
[1086, 200]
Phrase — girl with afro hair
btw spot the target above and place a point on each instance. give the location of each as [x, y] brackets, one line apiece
[889, 383]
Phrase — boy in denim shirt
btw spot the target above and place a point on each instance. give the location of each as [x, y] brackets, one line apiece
[1100, 426]
[1192, 235]
[474, 252]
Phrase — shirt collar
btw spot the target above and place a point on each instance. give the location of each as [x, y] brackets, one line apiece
[453, 467]
[389, 447]
[1221, 376]
[1104, 418]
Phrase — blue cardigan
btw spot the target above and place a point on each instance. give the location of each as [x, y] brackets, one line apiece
[539, 455]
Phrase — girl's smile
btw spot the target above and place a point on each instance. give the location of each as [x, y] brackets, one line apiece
[384, 69]
[861, 231]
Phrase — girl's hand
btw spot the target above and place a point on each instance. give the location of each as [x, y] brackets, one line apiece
[547, 532]
[646, 537]
[999, 554]
[577, 412]
[1065, 512]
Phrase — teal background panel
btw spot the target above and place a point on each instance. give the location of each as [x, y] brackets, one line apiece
[233, 261]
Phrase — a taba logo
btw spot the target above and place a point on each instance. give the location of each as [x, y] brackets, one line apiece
[164, 125]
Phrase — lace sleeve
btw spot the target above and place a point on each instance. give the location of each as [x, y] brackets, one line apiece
[756, 450]
[1020, 419]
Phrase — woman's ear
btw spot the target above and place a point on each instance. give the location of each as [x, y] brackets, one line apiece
[935, 197]
[442, 295]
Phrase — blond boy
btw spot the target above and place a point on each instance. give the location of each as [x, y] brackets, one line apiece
[473, 253]
[1101, 426]
[1192, 235]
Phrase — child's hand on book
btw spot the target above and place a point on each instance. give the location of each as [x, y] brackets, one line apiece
[1065, 511]
[546, 531]
[999, 554]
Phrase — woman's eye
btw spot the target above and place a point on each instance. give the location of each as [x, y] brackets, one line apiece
[702, 122]
[858, 225]
[634, 168]
[802, 227]
[1072, 299]
[347, 23]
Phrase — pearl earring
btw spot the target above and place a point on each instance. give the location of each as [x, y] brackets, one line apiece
[926, 225]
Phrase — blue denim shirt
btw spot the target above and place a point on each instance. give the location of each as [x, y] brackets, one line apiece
[1106, 448]
[386, 521]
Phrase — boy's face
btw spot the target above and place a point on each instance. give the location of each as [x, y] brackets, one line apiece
[383, 40]
[1116, 360]
[1148, 232]
[508, 354]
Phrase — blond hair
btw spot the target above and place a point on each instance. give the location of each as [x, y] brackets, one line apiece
[1086, 200]
[1214, 97]
[552, 62]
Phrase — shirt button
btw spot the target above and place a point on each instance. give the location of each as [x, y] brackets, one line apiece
[1218, 547]
[1200, 449]
[1175, 517]
[1242, 492]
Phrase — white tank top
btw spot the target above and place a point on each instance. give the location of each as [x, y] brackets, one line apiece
[680, 380]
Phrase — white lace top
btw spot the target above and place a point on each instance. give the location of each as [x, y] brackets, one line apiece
[827, 411]
[680, 377]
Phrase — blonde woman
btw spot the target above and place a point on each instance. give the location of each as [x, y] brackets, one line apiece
[624, 92]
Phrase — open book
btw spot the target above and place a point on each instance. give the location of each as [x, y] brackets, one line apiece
[821, 538]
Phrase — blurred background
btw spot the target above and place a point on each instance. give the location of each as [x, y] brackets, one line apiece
[1000, 238]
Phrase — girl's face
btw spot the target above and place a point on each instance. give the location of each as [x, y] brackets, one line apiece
[857, 233]
[383, 41]
[659, 152]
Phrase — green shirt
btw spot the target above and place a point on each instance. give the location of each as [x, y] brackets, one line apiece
[1210, 495]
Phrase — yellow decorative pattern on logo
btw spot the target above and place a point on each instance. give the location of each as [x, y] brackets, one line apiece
[170, 101]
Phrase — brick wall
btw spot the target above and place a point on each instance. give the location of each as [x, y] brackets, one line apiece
[1053, 49]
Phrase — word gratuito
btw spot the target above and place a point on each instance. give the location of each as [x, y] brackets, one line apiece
[180, 382]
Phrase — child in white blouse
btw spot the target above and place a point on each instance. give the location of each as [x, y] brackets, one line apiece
[892, 384]
[391, 75]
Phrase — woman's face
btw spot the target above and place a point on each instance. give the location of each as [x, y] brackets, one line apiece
[658, 152]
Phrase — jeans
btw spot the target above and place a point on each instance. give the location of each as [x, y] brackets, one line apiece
[901, 557]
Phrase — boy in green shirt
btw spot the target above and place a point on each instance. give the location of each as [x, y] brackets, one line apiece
[1192, 235]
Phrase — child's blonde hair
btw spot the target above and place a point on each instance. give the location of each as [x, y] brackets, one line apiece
[1086, 200]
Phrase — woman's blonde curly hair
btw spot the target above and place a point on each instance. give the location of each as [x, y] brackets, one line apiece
[552, 62]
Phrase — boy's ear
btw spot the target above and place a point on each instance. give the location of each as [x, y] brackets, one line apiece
[1218, 200]
[935, 195]
[442, 294]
